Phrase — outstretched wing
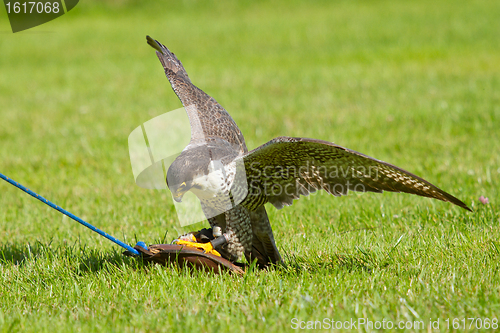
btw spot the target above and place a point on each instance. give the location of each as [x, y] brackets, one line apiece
[207, 118]
[285, 168]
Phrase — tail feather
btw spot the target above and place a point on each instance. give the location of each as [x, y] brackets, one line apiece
[263, 245]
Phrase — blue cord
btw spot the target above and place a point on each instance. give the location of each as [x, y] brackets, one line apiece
[65, 212]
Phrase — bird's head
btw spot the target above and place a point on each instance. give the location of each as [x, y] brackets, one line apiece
[185, 172]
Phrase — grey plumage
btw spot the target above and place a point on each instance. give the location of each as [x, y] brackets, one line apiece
[277, 172]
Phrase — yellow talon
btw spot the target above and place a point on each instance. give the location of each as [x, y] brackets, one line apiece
[206, 247]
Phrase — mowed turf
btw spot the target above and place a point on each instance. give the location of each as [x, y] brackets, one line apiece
[416, 84]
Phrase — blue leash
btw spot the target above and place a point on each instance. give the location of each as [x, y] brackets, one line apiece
[76, 218]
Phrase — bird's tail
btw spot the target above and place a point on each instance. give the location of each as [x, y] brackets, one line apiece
[263, 246]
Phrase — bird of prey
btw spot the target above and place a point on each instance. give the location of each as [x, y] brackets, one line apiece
[277, 172]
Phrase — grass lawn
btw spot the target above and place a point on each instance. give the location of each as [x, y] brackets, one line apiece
[416, 84]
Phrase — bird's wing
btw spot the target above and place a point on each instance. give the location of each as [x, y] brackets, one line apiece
[208, 119]
[285, 168]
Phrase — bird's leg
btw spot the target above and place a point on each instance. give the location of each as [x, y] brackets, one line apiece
[200, 240]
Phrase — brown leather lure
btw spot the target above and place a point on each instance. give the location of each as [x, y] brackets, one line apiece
[185, 256]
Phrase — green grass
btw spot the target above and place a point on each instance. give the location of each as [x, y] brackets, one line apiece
[416, 84]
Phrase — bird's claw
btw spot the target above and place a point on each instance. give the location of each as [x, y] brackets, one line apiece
[205, 247]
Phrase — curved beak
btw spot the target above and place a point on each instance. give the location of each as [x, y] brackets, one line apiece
[180, 191]
[178, 196]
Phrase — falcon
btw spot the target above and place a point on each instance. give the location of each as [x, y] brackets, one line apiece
[233, 184]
